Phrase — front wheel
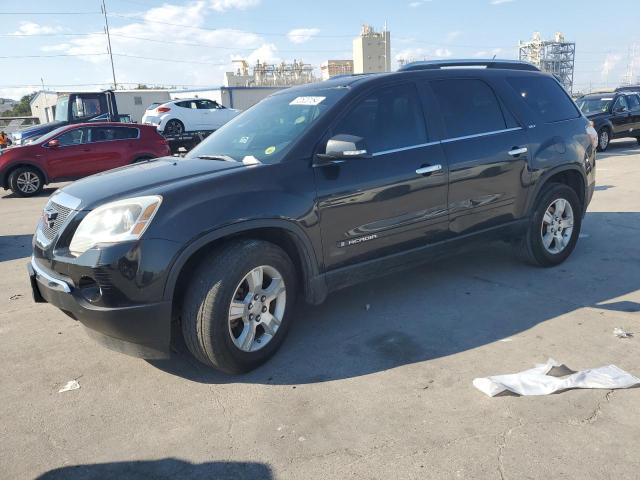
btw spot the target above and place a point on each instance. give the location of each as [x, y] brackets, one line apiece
[26, 182]
[238, 305]
[554, 227]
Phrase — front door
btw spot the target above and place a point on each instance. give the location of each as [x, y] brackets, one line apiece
[487, 154]
[621, 119]
[72, 158]
[370, 207]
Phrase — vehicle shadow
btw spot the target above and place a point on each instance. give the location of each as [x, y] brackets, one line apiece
[46, 192]
[166, 468]
[442, 308]
[13, 247]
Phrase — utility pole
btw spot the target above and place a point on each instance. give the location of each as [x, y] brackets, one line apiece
[106, 24]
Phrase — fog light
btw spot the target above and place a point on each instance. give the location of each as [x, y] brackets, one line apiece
[90, 289]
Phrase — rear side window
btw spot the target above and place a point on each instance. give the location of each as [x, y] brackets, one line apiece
[387, 119]
[469, 107]
[107, 134]
[634, 102]
[545, 97]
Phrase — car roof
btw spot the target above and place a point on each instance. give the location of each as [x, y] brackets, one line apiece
[187, 100]
[108, 124]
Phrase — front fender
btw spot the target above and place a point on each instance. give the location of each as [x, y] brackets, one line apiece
[315, 287]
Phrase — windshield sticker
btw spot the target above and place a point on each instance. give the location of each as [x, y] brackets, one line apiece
[244, 139]
[300, 120]
[269, 150]
[307, 101]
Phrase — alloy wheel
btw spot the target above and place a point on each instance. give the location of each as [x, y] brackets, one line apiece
[557, 226]
[257, 308]
[28, 182]
[604, 139]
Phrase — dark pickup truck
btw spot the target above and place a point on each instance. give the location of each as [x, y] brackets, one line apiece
[614, 115]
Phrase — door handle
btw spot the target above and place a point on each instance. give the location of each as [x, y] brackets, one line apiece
[518, 151]
[428, 169]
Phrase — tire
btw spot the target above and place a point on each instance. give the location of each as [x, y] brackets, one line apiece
[208, 330]
[604, 139]
[174, 127]
[532, 247]
[26, 181]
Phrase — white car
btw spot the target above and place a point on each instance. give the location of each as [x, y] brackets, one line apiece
[187, 115]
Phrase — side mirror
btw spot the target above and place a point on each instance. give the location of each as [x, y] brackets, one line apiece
[55, 143]
[620, 109]
[342, 147]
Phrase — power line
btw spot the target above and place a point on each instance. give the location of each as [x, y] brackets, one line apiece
[49, 34]
[53, 56]
[49, 13]
[169, 60]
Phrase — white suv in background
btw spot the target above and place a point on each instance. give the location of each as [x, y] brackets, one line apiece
[188, 115]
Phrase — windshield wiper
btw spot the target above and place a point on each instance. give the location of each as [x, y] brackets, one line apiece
[224, 158]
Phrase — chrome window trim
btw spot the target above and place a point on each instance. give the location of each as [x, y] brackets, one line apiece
[477, 135]
[402, 149]
[64, 286]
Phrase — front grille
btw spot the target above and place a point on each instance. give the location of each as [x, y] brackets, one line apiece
[50, 230]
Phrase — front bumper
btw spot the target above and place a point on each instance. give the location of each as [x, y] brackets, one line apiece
[141, 330]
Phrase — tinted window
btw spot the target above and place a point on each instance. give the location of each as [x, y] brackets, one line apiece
[390, 118]
[73, 137]
[105, 134]
[468, 106]
[634, 102]
[187, 104]
[621, 103]
[544, 96]
[207, 104]
[85, 107]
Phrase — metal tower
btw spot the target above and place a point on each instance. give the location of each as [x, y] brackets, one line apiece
[553, 56]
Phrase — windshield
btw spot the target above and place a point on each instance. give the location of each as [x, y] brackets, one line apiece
[594, 104]
[264, 133]
[62, 109]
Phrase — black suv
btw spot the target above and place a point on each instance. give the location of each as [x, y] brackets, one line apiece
[614, 115]
[313, 189]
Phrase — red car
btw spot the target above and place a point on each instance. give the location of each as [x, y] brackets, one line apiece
[76, 151]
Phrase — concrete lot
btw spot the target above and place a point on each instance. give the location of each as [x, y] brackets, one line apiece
[354, 393]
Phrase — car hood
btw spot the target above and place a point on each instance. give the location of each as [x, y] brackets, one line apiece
[154, 177]
[40, 129]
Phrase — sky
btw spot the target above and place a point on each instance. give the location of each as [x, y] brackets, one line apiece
[191, 43]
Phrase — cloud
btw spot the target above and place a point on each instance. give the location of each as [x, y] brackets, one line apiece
[418, 3]
[487, 53]
[610, 62]
[451, 36]
[224, 5]
[442, 52]
[31, 28]
[500, 2]
[301, 35]
[266, 53]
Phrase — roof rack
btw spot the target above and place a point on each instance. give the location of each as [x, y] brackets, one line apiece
[472, 63]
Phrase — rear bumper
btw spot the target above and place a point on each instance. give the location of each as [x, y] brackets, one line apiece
[138, 330]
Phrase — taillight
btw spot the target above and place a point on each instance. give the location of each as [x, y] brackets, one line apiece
[163, 109]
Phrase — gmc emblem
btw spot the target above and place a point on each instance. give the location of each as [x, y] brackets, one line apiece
[49, 217]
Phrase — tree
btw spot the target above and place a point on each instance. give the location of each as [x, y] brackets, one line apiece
[22, 108]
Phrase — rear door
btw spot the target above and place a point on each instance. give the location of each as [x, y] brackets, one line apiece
[370, 207]
[72, 158]
[112, 147]
[486, 151]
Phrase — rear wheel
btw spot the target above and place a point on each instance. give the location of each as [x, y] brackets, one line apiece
[604, 138]
[26, 181]
[174, 127]
[554, 227]
[238, 306]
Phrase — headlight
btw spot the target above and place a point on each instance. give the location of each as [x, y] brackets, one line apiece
[113, 222]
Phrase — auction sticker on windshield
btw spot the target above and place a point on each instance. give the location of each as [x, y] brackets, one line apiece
[307, 101]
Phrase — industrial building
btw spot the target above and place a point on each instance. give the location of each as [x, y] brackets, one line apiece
[372, 51]
[269, 75]
[331, 68]
[555, 56]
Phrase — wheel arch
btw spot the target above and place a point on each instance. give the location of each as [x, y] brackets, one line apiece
[22, 163]
[282, 233]
[570, 175]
